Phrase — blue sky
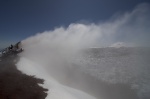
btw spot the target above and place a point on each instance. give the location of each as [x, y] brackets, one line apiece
[20, 19]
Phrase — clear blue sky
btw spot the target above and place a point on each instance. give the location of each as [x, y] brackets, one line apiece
[20, 19]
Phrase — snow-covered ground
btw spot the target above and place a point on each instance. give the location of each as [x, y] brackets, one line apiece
[124, 65]
[119, 65]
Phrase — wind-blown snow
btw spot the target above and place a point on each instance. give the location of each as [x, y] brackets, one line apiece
[56, 90]
[54, 55]
[119, 65]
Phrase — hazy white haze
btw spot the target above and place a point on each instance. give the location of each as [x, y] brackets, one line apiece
[56, 55]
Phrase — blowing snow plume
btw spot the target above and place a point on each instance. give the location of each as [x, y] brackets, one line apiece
[49, 55]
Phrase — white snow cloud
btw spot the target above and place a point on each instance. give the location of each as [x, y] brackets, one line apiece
[51, 49]
[131, 28]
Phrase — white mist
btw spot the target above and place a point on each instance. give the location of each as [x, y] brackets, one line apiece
[48, 55]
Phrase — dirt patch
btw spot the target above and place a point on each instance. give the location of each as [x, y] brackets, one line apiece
[16, 85]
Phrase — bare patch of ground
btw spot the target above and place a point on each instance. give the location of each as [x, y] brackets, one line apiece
[16, 85]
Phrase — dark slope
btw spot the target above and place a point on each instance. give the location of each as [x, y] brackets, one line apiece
[16, 85]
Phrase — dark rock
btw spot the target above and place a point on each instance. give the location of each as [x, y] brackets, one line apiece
[16, 85]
